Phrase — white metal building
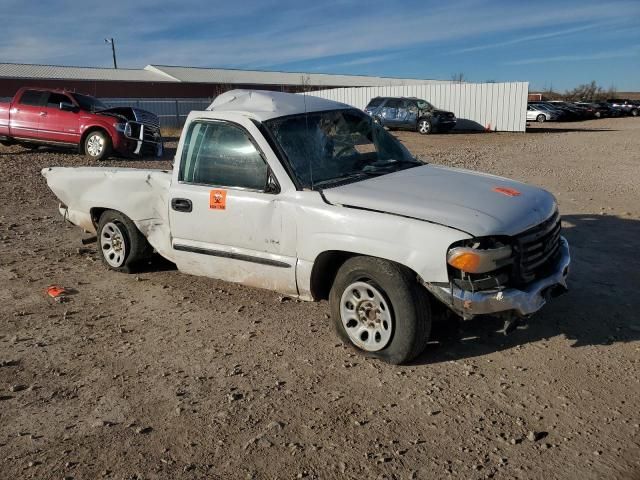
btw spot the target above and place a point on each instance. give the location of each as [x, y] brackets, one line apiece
[478, 106]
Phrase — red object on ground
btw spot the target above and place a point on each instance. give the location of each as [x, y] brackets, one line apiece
[55, 291]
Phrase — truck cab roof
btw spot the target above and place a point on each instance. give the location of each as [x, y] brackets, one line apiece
[264, 105]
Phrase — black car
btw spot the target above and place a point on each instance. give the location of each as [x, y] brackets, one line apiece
[599, 109]
[410, 113]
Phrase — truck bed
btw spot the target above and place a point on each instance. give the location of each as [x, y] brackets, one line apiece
[4, 119]
[142, 195]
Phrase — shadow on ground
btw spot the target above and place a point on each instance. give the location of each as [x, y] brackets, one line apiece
[534, 129]
[601, 307]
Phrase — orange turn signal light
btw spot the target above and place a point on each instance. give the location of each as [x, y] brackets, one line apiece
[465, 261]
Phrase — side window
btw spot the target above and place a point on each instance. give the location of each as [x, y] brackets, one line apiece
[223, 155]
[408, 105]
[376, 102]
[392, 103]
[33, 97]
[56, 98]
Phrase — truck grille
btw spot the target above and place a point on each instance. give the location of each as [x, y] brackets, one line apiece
[147, 118]
[538, 247]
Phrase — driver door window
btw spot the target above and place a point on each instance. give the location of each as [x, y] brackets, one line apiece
[223, 155]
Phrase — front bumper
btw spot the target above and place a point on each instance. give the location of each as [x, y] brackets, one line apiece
[445, 125]
[522, 302]
[143, 137]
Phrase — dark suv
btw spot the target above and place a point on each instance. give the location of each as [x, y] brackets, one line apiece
[410, 113]
[626, 106]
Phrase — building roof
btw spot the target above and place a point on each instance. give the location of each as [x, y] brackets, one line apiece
[57, 72]
[260, 77]
[176, 74]
[264, 105]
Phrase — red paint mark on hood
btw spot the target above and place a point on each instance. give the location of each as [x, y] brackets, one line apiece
[509, 192]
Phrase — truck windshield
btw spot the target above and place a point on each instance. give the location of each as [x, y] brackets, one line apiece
[334, 147]
[90, 104]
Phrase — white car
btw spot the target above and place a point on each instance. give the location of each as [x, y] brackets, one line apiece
[539, 114]
[310, 198]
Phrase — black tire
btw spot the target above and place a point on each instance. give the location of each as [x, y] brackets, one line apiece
[634, 112]
[408, 303]
[136, 247]
[93, 152]
[424, 126]
[541, 118]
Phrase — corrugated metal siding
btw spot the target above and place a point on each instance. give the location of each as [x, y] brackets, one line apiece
[172, 111]
[478, 106]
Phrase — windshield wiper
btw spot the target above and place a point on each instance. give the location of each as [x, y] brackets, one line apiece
[373, 168]
[342, 178]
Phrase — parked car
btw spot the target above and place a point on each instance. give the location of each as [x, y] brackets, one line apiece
[608, 110]
[541, 114]
[312, 198]
[598, 110]
[571, 111]
[626, 106]
[410, 113]
[39, 116]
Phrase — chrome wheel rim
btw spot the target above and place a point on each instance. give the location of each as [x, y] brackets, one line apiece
[113, 246]
[366, 316]
[95, 145]
[424, 126]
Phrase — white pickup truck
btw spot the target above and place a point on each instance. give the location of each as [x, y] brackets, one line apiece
[310, 198]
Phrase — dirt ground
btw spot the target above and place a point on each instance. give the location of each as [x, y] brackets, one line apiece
[163, 375]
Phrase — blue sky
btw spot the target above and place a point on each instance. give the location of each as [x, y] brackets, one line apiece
[548, 43]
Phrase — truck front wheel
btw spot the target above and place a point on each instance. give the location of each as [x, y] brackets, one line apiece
[378, 308]
[97, 145]
[122, 246]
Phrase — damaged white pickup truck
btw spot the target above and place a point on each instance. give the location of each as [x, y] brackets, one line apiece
[313, 199]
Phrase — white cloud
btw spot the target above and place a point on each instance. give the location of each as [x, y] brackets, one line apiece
[531, 38]
[631, 52]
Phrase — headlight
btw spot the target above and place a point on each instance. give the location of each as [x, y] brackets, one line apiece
[124, 128]
[479, 260]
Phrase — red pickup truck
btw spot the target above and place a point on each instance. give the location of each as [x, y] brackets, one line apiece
[38, 116]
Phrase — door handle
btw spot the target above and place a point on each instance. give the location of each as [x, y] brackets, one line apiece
[42, 114]
[181, 204]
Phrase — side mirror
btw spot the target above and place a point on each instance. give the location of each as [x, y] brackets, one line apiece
[272, 184]
[68, 107]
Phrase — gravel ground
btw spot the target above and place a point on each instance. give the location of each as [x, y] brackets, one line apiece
[163, 375]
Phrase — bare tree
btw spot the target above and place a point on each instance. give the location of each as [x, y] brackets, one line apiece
[305, 82]
[458, 77]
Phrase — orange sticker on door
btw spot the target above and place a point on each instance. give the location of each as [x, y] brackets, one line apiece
[218, 199]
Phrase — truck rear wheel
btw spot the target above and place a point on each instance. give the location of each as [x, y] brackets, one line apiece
[378, 308]
[122, 246]
[97, 145]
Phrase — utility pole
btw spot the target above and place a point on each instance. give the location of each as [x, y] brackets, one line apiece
[113, 50]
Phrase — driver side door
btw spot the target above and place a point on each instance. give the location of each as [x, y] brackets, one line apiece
[60, 125]
[227, 217]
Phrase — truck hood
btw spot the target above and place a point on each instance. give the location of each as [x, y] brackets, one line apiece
[131, 114]
[461, 199]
